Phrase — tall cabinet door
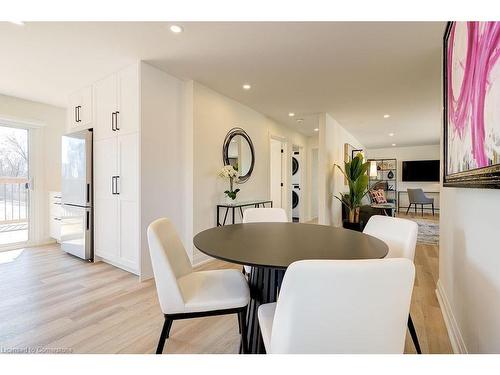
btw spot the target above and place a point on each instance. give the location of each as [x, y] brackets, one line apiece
[128, 100]
[105, 96]
[106, 204]
[128, 170]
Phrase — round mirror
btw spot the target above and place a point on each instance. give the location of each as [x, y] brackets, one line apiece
[238, 151]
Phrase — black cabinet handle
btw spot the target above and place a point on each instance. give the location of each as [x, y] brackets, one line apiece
[76, 116]
[78, 113]
[113, 185]
[88, 220]
[117, 191]
[116, 120]
[113, 121]
[88, 193]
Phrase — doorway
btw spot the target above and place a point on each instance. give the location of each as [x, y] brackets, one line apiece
[297, 186]
[314, 185]
[14, 186]
[277, 176]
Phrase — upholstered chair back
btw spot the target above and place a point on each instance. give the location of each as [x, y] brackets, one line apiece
[170, 262]
[354, 306]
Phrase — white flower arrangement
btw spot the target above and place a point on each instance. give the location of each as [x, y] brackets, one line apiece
[228, 171]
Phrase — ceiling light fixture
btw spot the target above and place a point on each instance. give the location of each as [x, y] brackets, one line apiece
[291, 114]
[300, 120]
[176, 29]
[18, 23]
[387, 116]
[246, 86]
[391, 134]
[393, 144]
[316, 129]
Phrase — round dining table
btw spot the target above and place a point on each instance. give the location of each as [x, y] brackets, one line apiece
[271, 247]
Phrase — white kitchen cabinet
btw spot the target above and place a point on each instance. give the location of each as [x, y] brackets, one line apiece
[116, 181]
[80, 109]
[117, 98]
[105, 93]
[116, 169]
[55, 213]
[136, 119]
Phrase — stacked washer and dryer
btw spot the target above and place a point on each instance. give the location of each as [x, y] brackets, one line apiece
[295, 186]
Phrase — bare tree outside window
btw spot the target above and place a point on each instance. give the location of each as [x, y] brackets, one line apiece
[13, 152]
[14, 176]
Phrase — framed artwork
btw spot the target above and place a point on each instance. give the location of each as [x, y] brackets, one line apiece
[471, 88]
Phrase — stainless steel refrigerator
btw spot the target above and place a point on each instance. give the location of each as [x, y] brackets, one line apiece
[76, 219]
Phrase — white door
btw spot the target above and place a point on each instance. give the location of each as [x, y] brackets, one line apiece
[85, 110]
[276, 178]
[128, 100]
[106, 215]
[105, 93]
[80, 108]
[128, 172]
[128, 166]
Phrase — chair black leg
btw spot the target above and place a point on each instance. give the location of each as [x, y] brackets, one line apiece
[433, 209]
[422, 207]
[413, 334]
[415, 208]
[243, 330]
[239, 323]
[164, 335]
[408, 209]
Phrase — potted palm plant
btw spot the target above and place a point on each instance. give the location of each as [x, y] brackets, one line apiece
[355, 172]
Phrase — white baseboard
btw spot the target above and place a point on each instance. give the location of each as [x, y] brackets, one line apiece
[456, 339]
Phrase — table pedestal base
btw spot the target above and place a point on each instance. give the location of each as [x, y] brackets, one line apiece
[265, 284]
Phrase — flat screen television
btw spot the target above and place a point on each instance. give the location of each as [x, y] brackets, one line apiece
[421, 170]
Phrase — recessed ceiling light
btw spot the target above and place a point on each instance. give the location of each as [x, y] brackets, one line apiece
[393, 144]
[291, 114]
[300, 120]
[387, 116]
[391, 134]
[176, 29]
[19, 23]
[316, 130]
[246, 86]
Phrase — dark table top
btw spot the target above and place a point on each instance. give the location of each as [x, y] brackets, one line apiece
[278, 245]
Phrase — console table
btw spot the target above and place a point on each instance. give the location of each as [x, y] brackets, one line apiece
[239, 205]
[406, 192]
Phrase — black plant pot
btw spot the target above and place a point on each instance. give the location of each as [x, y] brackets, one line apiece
[352, 226]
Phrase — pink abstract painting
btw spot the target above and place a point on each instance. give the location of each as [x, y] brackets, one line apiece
[472, 96]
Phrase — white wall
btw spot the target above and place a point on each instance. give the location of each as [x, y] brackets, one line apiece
[213, 116]
[469, 264]
[428, 152]
[332, 137]
[163, 161]
[49, 125]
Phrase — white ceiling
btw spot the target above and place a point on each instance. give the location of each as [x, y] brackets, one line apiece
[355, 71]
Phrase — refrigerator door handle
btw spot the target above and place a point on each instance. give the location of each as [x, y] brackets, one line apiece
[87, 219]
[88, 193]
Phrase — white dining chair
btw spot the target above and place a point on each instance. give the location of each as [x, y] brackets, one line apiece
[185, 294]
[263, 215]
[340, 306]
[400, 235]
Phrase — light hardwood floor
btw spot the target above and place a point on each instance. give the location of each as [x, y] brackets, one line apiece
[49, 299]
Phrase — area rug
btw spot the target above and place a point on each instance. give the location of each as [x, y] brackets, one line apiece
[428, 231]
